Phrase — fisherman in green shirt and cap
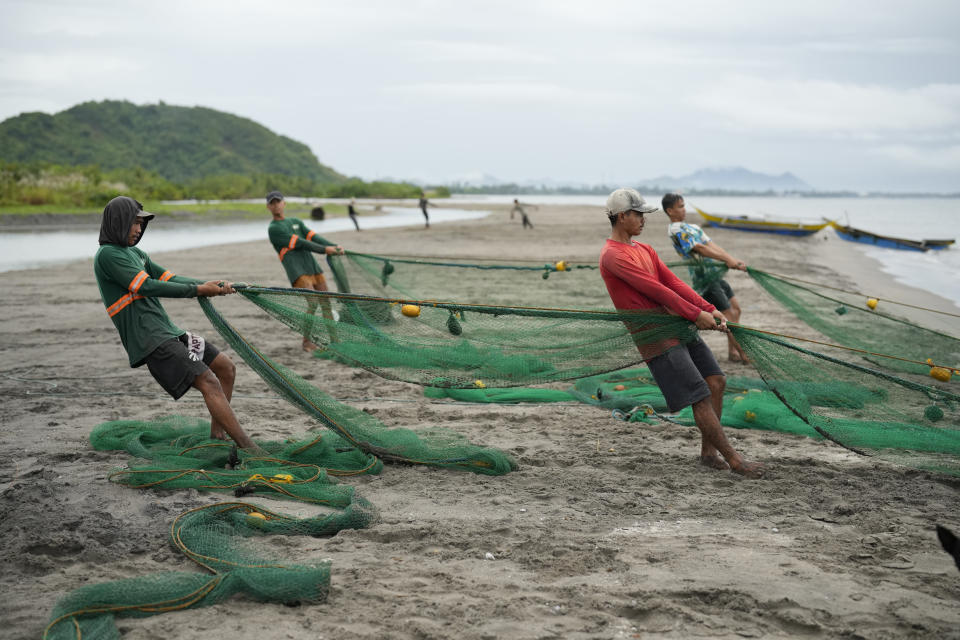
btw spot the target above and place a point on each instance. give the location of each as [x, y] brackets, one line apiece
[295, 245]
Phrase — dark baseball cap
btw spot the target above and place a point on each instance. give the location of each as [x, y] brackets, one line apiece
[274, 195]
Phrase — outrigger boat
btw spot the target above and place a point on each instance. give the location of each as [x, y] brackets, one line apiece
[867, 237]
[746, 223]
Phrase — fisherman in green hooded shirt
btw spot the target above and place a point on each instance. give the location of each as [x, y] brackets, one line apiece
[131, 286]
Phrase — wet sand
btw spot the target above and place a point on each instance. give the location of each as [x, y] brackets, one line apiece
[607, 529]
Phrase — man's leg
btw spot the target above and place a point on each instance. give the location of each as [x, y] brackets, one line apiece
[734, 350]
[326, 310]
[709, 456]
[226, 372]
[308, 344]
[713, 436]
[312, 282]
[220, 410]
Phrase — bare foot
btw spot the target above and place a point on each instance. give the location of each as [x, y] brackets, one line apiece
[714, 462]
[752, 470]
[255, 452]
[218, 434]
[310, 346]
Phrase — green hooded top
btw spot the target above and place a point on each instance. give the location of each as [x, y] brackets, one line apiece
[130, 283]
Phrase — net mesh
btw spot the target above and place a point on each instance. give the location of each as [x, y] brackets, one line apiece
[867, 402]
[222, 538]
[489, 282]
[468, 345]
[909, 419]
[846, 320]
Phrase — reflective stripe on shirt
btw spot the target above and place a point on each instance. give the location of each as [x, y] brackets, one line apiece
[121, 304]
[138, 281]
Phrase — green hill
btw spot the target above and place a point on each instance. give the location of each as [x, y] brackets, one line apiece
[177, 143]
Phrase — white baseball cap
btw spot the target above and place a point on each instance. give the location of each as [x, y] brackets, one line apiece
[628, 200]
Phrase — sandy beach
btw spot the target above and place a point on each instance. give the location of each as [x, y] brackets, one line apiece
[607, 529]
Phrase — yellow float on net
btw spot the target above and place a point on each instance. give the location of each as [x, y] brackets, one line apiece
[257, 515]
[749, 416]
[872, 303]
[561, 266]
[479, 384]
[410, 310]
[940, 373]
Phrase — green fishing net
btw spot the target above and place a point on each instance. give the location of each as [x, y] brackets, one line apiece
[471, 341]
[176, 453]
[846, 320]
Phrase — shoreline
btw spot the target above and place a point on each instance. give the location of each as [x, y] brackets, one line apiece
[606, 529]
[867, 276]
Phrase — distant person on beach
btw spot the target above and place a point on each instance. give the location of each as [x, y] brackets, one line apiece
[518, 208]
[131, 286]
[296, 244]
[424, 203]
[692, 243]
[687, 374]
[352, 212]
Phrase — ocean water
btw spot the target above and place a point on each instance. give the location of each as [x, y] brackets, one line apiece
[915, 219]
[18, 249]
[924, 218]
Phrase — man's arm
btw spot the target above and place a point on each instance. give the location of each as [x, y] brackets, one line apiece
[650, 286]
[670, 280]
[293, 242]
[319, 245]
[205, 288]
[165, 275]
[123, 269]
[711, 249]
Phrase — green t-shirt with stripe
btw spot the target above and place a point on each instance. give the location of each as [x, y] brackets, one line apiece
[130, 287]
[295, 245]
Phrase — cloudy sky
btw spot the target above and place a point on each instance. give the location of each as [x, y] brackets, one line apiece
[844, 94]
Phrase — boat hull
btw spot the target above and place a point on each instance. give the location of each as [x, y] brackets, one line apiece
[742, 223]
[866, 237]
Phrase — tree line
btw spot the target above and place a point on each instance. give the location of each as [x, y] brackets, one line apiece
[89, 185]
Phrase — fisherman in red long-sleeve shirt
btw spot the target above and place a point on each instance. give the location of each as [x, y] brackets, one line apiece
[687, 374]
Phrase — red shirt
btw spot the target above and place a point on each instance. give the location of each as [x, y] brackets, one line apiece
[636, 278]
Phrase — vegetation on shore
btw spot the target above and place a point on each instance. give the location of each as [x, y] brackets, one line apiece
[76, 189]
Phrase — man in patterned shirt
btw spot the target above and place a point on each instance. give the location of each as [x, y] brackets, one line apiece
[131, 285]
[295, 245]
[693, 244]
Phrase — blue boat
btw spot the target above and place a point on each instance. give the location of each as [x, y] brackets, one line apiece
[867, 237]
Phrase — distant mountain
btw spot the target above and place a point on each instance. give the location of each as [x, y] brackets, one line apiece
[179, 143]
[731, 178]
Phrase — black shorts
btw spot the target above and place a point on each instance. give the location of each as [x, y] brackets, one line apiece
[680, 374]
[175, 367]
[718, 294]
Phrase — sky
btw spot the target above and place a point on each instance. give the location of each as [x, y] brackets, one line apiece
[861, 95]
